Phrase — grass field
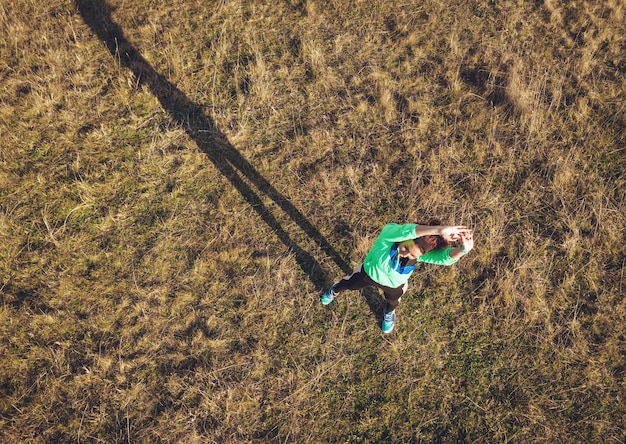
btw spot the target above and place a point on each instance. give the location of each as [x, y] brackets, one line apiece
[180, 180]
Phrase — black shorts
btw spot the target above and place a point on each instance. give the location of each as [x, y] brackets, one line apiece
[360, 280]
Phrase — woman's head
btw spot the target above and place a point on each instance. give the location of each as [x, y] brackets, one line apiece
[431, 242]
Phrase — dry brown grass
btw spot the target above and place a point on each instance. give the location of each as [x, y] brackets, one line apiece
[165, 239]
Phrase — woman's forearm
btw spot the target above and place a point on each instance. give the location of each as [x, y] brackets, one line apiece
[456, 253]
[428, 230]
[450, 233]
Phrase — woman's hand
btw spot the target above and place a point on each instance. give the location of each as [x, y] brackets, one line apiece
[453, 233]
[467, 241]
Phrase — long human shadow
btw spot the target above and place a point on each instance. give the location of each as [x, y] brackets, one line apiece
[202, 129]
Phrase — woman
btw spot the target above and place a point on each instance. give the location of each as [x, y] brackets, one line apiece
[395, 255]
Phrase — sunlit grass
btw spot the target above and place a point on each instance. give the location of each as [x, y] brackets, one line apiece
[148, 296]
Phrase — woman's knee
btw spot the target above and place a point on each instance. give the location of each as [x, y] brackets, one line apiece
[391, 305]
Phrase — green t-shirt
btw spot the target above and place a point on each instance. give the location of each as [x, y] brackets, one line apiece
[379, 262]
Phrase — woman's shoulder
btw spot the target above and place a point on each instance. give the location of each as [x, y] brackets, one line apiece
[404, 231]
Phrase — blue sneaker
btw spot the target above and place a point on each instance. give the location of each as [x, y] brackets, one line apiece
[329, 295]
[389, 320]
